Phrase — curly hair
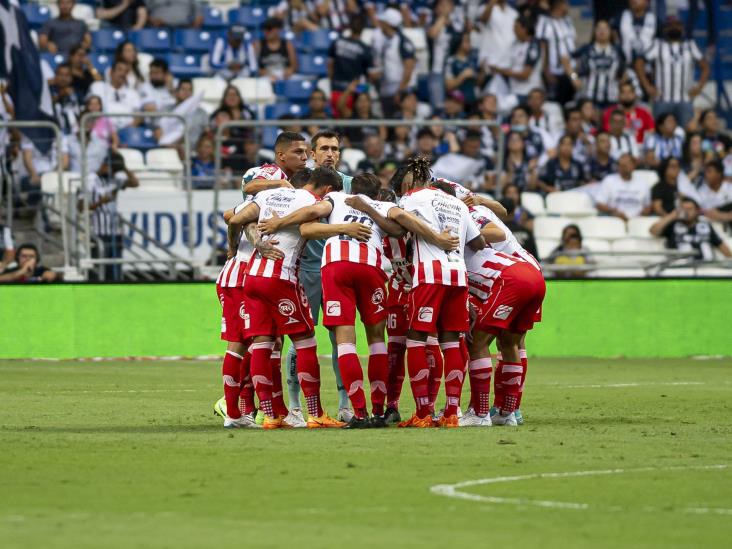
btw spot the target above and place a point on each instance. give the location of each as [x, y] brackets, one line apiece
[418, 166]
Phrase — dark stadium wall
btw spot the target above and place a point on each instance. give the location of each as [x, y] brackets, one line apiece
[589, 318]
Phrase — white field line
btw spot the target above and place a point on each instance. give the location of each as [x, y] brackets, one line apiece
[624, 385]
[456, 490]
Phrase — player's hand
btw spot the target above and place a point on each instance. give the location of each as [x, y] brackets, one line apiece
[356, 202]
[230, 253]
[267, 250]
[469, 200]
[359, 231]
[271, 225]
[447, 241]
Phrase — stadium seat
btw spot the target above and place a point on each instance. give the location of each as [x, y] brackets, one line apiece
[598, 246]
[550, 227]
[620, 273]
[608, 228]
[212, 88]
[324, 86]
[157, 181]
[134, 159]
[545, 246]
[137, 138]
[164, 159]
[107, 40]
[640, 227]
[269, 136]
[351, 157]
[143, 62]
[194, 41]
[636, 245]
[185, 65]
[101, 61]
[319, 41]
[534, 203]
[70, 182]
[294, 90]
[312, 65]
[570, 203]
[278, 110]
[213, 18]
[255, 90]
[251, 17]
[53, 60]
[151, 40]
[36, 15]
[649, 177]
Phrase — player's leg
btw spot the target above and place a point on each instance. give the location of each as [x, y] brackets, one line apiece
[437, 365]
[278, 401]
[510, 376]
[378, 371]
[246, 394]
[525, 365]
[352, 374]
[480, 370]
[396, 327]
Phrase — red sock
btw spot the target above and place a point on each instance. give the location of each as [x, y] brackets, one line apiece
[480, 371]
[378, 374]
[419, 374]
[437, 366]
[352, 377]
[262, 374]
[308, 374]
[465, 352]
[497, 380]
[396, 349]
[231, 372]
[454, 376]
[511, 383]
[525, 366]
[246, 394]
[278, 401]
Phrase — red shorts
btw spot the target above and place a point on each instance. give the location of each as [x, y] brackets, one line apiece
[349, 286]
[397, 319]
[232, 317]
[273, 306]
[438, 308]
[514, 301]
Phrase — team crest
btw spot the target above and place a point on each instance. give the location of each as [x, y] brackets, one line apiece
[286, 307]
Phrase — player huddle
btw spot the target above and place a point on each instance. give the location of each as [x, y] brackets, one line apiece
[458, 280]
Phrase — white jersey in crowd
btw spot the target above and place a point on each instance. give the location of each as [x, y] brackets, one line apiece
[282, 201]
[510, 246]
[630, 197]
[484, 267]
[560, 36]
[440, 211]
[674, 64]
[344, 248]
[636, 35]
[709, 199]
[522, 54]
[233, 271]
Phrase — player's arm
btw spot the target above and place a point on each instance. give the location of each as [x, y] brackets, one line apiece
[247, 215]
[477, 244]
[266, 248]
[298, 217]
[491, 233]
[258, 185]
[493, 205]
[315, 230]
[392, 228]
[416, 226]
[233, 235]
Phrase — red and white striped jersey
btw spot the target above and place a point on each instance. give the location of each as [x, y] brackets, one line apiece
[440, 211]
[395, 249]
[484, 267]
[510, 246]
[232, 274]
[345, 248]
[265, 171]
[281, 201]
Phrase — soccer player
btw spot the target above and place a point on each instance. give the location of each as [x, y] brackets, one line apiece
[291, 154]
[275, 304]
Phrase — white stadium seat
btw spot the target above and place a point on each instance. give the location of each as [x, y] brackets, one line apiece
[596, 245]
[533, 202]
[154, 181]
[212, 88]
[134, 159]
[619, 273]
[70, 182]
[608, 228]
[351, 157]
[570, 203]
[640, 227]
[545, 246]
[638, 245]
[255, 90]
[550, 227]
[166, 160]
[649, 177]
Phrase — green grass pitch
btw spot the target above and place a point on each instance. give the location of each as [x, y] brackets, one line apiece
[128, 454]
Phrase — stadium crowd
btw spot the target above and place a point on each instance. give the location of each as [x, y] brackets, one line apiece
[573, 117]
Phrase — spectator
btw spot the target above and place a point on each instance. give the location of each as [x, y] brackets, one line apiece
[117, 96]
[8, 248]
[103, 186]
[571, 252]
[602, 163]
[335, 14]
[636, 28]
[674, 62]
[361, 110]
[444, 34]
[672, 185]
[713, 141]
[562, 173]
[446, 141]
[317, 109]
[7, 113]
[203, 166]
[693, 158]
[233, 103]
[558, 35]
[518, 169]
[498, 35]
[548, 122]
[589, 114]
[188, 105]
[668, 141]
[157, 94]
[454, 109]
[638, 121]
[525, 63]
[621, 141]
[399, 145]
[28, 267]
[534, 142]
[584, 144]
[715, 194]
[463, 74]
[174, 13]
[296, 15]
[36, 165]
[601, 65]
[252, 156]
[127, 52]
[395, 61]
[67, 109]
[375, 151]
[63, 33]
[122, 14]
[488, 112]
[686, 232]
[524, 236]
[349, 66]
[426, 144]
[83, 72]
[101, 134]
[276, 56]
[233, 56]
[468, 166]
[624, 194]
[521, 217]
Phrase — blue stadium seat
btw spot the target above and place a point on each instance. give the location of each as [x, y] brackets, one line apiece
[137, 138]
[54, 60]
[185, 65]
[278, 110]
[194, 41]
[297, 91]
[213, 18]
[36, 15]
[151, 40]
[107, 39]
[269, 136]
[250, 16]
[319, 41]
[101, 61]
[312, 65]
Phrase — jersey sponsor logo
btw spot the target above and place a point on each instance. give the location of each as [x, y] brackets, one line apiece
[333, 308]
[245, 317]
[377, 298]
[502, 312]
[242, 312]
[425, 314]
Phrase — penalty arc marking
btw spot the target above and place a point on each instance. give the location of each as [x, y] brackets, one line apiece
[457, 490]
